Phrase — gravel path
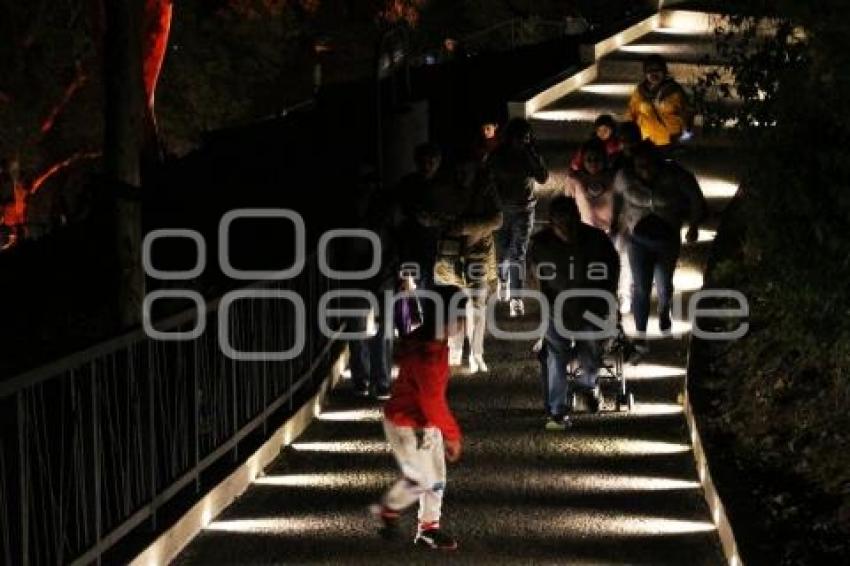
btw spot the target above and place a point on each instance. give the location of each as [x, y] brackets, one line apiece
[616, 489]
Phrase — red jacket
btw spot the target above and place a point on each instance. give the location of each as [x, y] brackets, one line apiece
[419, 392]
[612, 148]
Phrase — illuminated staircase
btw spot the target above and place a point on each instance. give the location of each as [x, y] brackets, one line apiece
[619, 488]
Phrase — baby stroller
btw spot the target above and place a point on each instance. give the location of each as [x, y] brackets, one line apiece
[612, 382]
[612, 379]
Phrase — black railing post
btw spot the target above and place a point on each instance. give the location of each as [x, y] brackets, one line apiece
[98, 480]
[152, 429]
[196, 387]
[293, 284]
[23, 468]
[266, 333]
[234, 408]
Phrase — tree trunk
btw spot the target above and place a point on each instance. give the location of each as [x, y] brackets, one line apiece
[124, 135]
[156, 28]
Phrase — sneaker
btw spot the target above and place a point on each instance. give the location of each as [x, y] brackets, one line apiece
[501, 291]
[664, 323]
[558, 422]
[382, 393]
[435, 539]
[482, 367]
[388, 521]
[473, 366]
[517, 308]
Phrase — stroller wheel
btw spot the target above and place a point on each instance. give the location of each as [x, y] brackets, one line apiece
[625, 401]
[594, 400]
[577, 402]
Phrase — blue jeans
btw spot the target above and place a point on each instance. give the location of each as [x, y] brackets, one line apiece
[651, 259]
[370, 358]
[512, 237]
[560, 351]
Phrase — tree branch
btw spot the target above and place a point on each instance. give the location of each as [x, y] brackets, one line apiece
[56, 168]
[78, 82]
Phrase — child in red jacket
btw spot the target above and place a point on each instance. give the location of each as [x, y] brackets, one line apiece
[605, 130]
[422, 432]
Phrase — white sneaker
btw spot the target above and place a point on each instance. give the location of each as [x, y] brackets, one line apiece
[535, 349]
[479, 359]
[502, 291]
[517, 308]
[455, 357]
[473, 365]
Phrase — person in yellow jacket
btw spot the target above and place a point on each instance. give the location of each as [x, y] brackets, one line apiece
[659, 105]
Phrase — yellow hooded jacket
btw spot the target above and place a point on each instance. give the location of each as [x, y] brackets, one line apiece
[661, 117]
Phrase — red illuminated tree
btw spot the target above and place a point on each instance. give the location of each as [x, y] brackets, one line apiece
[48, 62]
[51, 69]
[50, 91]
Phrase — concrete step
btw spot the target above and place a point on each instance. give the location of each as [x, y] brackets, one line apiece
[698, 18]
[690, 57]
[615, 68]
[674, 45]
[603, 98]
[685, 20]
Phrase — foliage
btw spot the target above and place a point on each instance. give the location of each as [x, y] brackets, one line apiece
[788, 389]
[48, 84]
[233, 61]
[395, 11]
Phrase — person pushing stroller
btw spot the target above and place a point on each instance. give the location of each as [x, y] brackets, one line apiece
[569, 260]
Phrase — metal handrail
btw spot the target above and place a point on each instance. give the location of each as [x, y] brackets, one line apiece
[33, 377]
[192, 475]
[513, 24]
[160, 461]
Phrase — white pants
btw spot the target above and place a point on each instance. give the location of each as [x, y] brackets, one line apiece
[419, 453]
[475, 325]
[624, 285]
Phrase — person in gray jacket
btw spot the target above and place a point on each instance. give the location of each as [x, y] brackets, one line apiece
[516, 165]
[656, 198]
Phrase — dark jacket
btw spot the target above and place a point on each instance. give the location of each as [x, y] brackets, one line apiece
[468, 211]
[673, 195]
[588, 262]
[413, 201]
[515, 171]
